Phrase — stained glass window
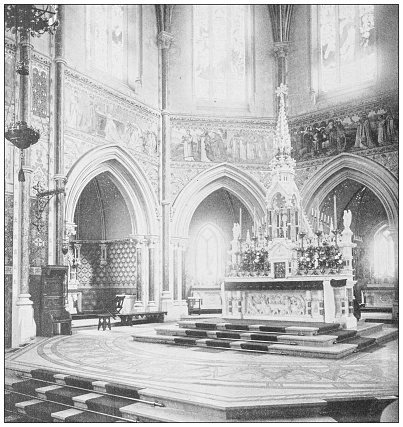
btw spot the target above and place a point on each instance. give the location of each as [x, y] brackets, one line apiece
[108, 38]
[219, 52]
[347, 48]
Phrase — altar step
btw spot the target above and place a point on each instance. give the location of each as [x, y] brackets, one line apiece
[322, 340]
[42, 395]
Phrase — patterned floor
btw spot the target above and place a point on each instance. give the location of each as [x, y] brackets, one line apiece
[202, 373]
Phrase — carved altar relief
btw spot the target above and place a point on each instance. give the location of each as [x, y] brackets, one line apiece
[273, 303]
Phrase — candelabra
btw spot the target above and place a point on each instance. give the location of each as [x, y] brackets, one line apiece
[301, 236]
[336, 232]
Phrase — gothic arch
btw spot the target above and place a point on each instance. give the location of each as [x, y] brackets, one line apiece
[361, 169]
[126, 174]
[242, 185]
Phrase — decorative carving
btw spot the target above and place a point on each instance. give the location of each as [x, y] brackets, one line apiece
[275, 304]
[280, 49]
[164, 40]
[39, 92]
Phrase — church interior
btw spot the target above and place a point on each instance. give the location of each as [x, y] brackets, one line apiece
[201, 213]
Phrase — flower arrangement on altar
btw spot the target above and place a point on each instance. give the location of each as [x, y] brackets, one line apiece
[254, 260]
[325, 257]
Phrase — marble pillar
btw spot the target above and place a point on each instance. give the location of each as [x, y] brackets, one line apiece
[164, 43]
[26, 327]
[151, 306]
[59, 177]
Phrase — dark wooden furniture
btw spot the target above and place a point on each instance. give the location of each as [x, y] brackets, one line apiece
[54, 318]
[144, 317]
[112, 310]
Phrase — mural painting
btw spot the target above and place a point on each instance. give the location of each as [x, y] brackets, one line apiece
[87, 113]
[221, 145]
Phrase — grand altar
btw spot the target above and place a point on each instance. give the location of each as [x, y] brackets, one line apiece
[321, 298]
[294, 266]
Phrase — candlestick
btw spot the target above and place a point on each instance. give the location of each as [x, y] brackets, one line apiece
[335, 210]
[240, 221]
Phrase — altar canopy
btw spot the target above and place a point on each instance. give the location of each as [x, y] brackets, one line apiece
[289, 268]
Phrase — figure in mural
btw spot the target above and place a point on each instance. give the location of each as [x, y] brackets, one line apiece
[340, 136]
[88, 122]
[203, 149]
[382, 138]
[308, 139]
[234, 148]
[331, 133]
[187, 141]
[111, 130]
[150, 143]
[74, 115]
[132, 136]
[391, 128]
[364, 137]
[347, 220]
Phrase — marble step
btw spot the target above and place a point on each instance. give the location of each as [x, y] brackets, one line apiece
[143, 413]
[335, 351]
[384, 335]
[219, 411]
[275, 327]
[369, 328]
[316, 340]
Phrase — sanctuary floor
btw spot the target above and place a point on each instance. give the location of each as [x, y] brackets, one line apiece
[204, 374]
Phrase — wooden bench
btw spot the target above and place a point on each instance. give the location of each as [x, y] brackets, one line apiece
[104, 318]
[143, 317]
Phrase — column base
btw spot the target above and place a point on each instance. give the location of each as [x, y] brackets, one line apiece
[138, 306]
[26, 329]
[151, 306]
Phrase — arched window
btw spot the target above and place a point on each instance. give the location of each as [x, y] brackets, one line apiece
[344, 46]
[107, 27]
[220, 34]
[383, 254]
[209, 255]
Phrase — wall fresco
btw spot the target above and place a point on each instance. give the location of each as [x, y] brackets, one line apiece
[93, 113]
[213, 143]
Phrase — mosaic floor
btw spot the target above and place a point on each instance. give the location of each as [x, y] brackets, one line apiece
[226, 376]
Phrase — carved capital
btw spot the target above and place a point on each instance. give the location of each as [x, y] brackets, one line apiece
[60, 177]
[164, 40]
[280, 49]
[70, 228]
[138, 240]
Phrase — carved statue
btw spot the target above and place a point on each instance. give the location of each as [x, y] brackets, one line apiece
[347, 220]
[391, 133]
[236, 231]
[382, 138]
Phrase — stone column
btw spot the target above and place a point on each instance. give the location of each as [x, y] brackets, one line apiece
[395, 237]
[183, 270]
[138, 305]
[59, 177]
[280, 52]
[164, 43]
[175, 275]
[151, 274]
[26, 327]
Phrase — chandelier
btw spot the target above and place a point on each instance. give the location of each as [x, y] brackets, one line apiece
[33, 21]
[29, 18]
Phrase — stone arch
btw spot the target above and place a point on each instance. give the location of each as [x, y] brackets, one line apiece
[126, 174]
[361, 169]
[242, 185]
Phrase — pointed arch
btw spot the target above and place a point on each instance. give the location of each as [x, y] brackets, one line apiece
[241, 184]
[127, 175]
[361, 169]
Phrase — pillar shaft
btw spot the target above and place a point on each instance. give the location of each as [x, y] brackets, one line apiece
[175, 272]
[151, 274]
[24, 187]
[164, 42]
[59, 136]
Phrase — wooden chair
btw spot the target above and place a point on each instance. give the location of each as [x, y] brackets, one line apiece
[113, 309]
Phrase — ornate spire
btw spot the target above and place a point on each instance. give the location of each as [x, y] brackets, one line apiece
[283, 139]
